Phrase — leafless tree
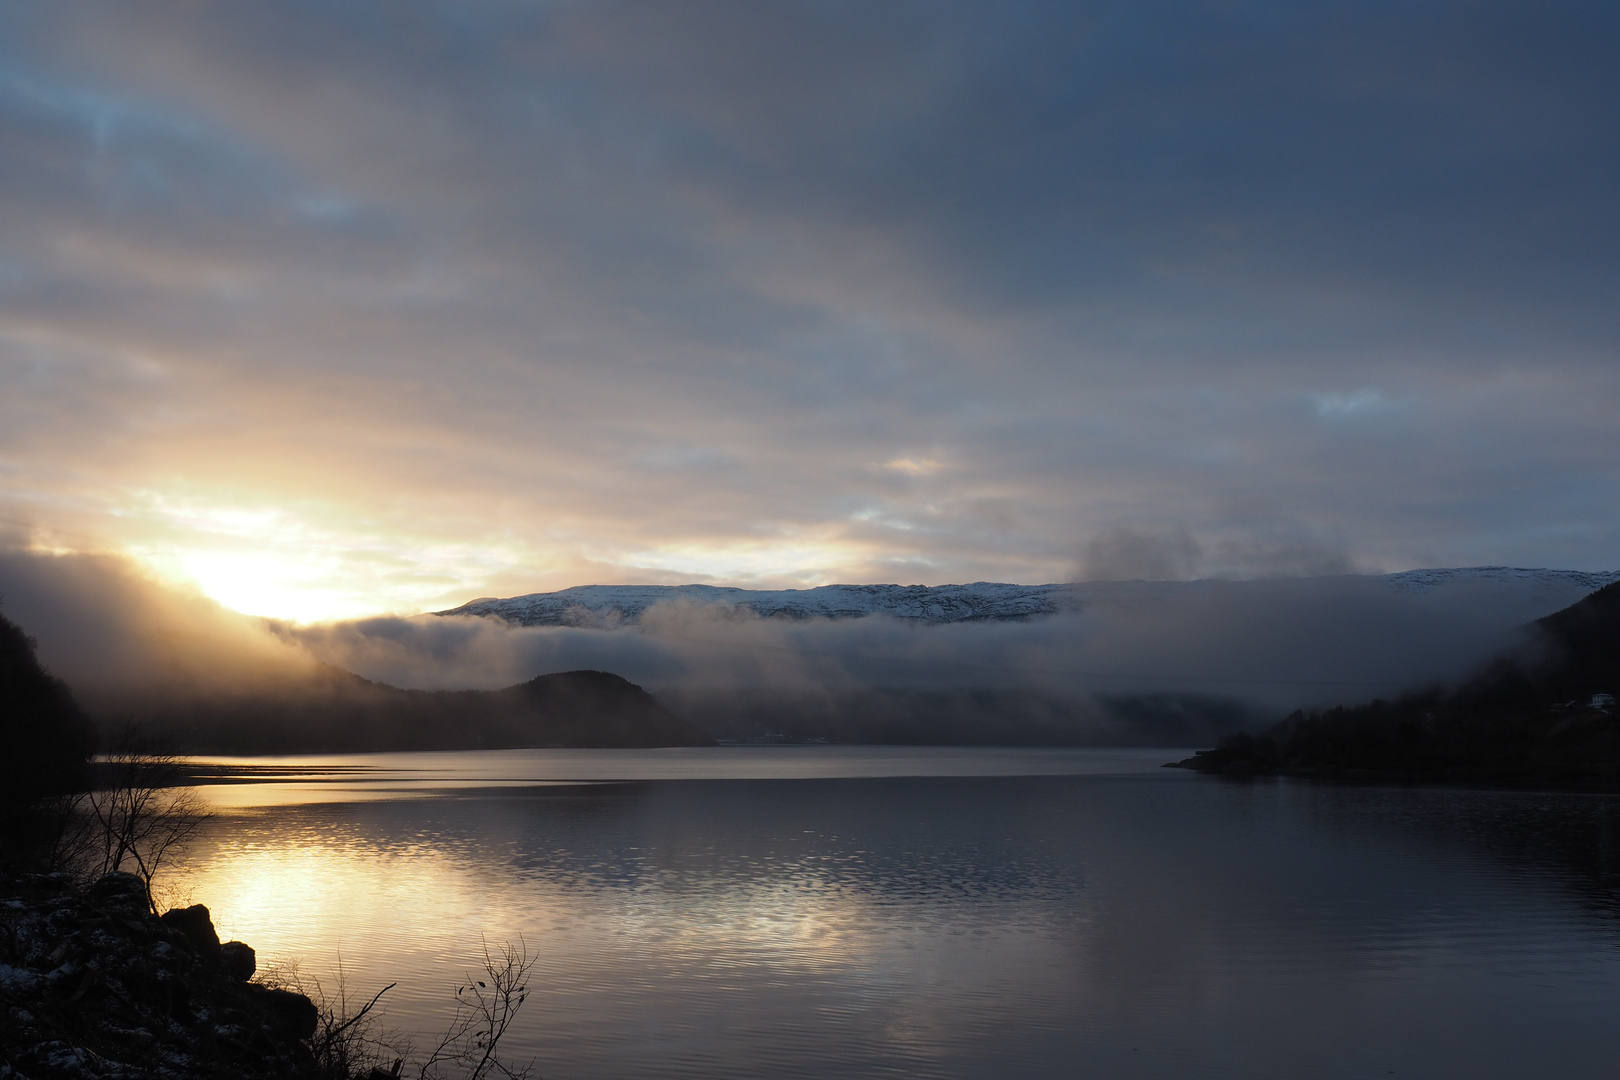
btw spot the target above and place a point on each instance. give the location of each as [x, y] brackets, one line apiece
[138, 816]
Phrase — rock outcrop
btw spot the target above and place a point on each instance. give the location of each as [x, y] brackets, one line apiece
[92, 984]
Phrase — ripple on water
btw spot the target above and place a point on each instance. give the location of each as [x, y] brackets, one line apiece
[1112, 923]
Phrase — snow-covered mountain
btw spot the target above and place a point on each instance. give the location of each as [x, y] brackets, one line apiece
[603, 605]
[1424, 580]
[590, 604]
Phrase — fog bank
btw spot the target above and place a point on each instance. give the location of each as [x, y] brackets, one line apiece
[1139, 661]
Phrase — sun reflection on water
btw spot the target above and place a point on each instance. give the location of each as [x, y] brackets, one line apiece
[335, 896]
[923, 925]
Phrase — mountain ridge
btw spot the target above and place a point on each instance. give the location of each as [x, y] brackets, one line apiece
[606, 606]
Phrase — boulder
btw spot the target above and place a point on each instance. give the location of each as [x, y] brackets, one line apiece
[129, 993]
[293, 1013]
[237, 960]
[195, 926]
[121, 892]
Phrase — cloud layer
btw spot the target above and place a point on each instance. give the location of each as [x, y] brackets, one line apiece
[337, 310]
[1167, 662]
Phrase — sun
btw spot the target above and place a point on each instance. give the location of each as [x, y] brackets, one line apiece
[273, 584]
[283, 562]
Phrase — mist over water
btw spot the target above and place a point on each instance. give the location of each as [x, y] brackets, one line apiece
[1167, 662]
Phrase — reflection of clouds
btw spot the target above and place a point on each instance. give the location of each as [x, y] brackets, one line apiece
[628, 902]
[917, 926]
[414, 911]
[221, 797]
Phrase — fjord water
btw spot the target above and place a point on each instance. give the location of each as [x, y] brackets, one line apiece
[871, 912]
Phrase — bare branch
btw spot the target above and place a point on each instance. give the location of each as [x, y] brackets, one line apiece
[140, 814]
[484, 1013]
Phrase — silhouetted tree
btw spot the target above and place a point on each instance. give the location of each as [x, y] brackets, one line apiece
[137, 816]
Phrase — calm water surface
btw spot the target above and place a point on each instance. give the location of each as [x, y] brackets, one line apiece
[867, 912]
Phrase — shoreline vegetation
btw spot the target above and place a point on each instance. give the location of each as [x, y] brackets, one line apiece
[1544, 718]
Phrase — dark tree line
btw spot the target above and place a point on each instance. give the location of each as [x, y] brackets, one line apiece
[65, 808]
[1531, 718]
[45, 745]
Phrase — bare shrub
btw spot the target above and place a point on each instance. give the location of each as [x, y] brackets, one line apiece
[485, 1009]
[349, 1040]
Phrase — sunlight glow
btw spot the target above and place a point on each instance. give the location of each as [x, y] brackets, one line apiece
[269, 583]
[305, 563]
[308, 561]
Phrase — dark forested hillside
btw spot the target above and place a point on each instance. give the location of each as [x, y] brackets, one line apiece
[1542, 717]
[44, 737]
[338, 711]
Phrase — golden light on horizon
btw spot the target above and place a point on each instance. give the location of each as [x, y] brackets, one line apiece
[308, 560]
[303, 562]
[268, 583]
[317, 562]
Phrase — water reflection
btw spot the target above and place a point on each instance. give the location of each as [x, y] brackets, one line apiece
[242, 782]
[1120, 923]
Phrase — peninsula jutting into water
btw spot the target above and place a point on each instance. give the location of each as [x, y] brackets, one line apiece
[1544, 716]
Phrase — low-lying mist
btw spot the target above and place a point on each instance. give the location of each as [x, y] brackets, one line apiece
[118, 637]
[1157, 663]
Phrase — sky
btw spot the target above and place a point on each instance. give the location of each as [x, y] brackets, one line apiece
[341, 309]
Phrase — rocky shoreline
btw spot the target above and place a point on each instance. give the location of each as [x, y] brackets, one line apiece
[93, 984]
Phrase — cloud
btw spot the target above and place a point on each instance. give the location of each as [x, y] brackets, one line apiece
[1121, 554]
[1271, 645]
[492, 297]
[116, 635]
[1347, 406]
[1151, 662]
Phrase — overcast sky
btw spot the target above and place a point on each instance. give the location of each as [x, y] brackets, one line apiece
[339, 308]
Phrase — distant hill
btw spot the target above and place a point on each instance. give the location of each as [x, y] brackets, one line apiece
[1535, 718]
[337, 711]
[610, 605]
